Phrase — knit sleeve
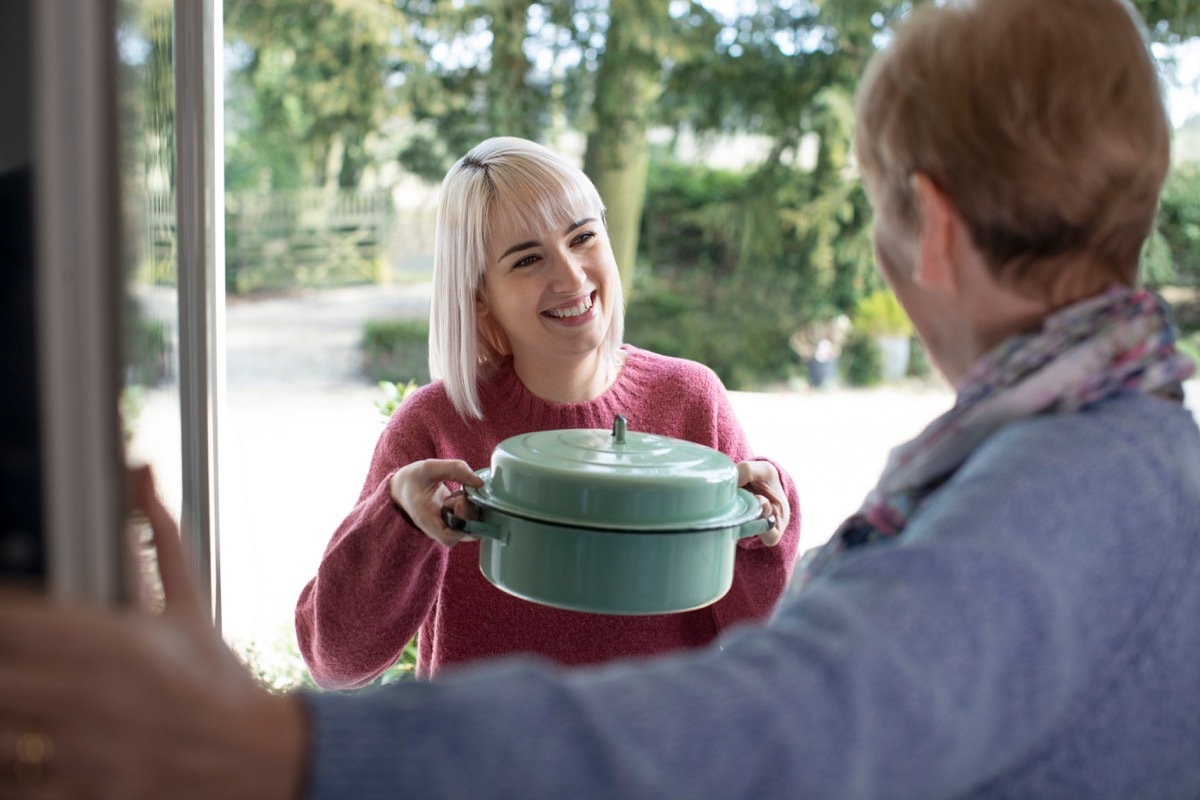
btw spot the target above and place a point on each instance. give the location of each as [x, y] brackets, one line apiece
[380, 575]
[760, 573]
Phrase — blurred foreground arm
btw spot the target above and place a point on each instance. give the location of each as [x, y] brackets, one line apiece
[130, 705]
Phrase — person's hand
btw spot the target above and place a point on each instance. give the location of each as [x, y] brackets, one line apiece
[419, 489]
[123, 704]
[761, 479]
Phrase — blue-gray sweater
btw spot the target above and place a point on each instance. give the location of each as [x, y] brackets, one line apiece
[1035, 633]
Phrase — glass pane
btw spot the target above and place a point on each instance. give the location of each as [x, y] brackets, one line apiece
[146, 113]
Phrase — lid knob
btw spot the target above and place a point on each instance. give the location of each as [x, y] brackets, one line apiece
[620, 425]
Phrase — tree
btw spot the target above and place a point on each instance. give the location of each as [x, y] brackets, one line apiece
[628, 85]
[308, 88]
[473, 80]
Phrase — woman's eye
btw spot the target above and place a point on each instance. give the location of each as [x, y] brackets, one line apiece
[583, 238]
[525, 262]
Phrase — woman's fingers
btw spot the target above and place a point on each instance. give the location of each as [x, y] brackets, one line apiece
[419, 489]
[762, 479]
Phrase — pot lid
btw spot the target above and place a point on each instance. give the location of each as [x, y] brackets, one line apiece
[618, 479]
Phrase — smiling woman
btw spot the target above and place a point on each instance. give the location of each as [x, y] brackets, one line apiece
[526, 336]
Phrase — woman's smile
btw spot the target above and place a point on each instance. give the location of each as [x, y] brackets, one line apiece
[575, 312]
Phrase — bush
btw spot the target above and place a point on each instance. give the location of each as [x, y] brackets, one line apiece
[740, 331]
[393, 395]
[1178, 230]
[861, 362]
[880, 314]
[396, 350]
[276, 665]
[147, 348]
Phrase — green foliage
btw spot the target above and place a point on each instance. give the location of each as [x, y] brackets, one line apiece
[396, 350]
[393, 395]
[147, 348]
[745, 342]
[861, 361]
[880, 314]
[1177, 239]
[324, 90]
[308, 89]
[693, 215]
[277, 666]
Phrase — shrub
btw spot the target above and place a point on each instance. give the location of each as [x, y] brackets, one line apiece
[861, 362]
[276, 664]
[740, 331]
[1178, 230]
[880, 314]
[396, 350]
[393, 396]
[147, 348]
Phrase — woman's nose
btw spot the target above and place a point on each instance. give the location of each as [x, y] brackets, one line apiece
[569, 275]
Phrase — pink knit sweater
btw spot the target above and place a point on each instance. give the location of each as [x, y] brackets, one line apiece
[382, 580]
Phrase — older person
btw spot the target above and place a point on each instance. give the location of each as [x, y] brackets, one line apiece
[1012, 613]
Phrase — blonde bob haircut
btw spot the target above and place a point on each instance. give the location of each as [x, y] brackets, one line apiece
[528, 184]
[1042, 120]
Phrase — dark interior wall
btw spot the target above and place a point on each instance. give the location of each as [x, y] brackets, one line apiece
[22, 553]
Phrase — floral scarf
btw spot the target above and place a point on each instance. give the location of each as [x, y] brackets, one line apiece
[1119, 341]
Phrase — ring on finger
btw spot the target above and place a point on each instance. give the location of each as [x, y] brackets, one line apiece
[33, 754]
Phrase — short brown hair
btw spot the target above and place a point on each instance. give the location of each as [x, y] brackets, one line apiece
[1042, 120]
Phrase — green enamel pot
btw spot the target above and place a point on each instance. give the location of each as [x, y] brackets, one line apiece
[611, 522]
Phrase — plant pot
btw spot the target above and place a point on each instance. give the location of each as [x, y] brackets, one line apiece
[894, 352]
[821, 372]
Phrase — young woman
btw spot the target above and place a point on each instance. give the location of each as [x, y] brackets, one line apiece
[526, 335]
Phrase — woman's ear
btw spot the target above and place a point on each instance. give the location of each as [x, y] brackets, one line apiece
[942, 229]
[488, 329]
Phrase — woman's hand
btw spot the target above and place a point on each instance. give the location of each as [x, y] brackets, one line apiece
[761, 479]
[420, 491]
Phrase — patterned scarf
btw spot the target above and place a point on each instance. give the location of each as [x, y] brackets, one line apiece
[1116, 342]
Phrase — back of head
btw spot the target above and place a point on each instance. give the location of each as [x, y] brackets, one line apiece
[1042, 120]
[502, 177]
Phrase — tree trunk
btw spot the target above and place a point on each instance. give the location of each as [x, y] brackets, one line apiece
[627, 86]
[511, 109]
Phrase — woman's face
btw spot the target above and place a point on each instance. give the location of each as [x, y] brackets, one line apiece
[550, 291]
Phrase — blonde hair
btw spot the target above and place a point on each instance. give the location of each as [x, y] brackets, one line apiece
[509, 176]
[1042, 120]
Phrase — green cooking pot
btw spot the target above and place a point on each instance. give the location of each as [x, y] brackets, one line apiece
[611, 522]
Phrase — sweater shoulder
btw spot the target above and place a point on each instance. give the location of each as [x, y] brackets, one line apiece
[1126, 436]
[1134, 461]
[424, 421]
[428, 401]
[648, 367]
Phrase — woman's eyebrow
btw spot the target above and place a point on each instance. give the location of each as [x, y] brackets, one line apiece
[580, 223]
[517, 247]
[534, 243]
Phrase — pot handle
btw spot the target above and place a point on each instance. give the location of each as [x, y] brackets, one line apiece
[756, 526]
[474, 527]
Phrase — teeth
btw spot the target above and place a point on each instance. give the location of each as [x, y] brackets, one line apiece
[584, 306]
